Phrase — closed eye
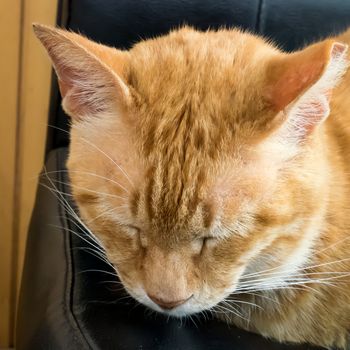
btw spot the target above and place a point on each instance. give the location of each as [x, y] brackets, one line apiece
[133, 230]
[139, 234]
[210, 240]
[200, 243]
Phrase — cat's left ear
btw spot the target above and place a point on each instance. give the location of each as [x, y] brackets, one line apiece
[300, 85]
[89, 74]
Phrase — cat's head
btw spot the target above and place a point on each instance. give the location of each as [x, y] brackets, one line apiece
[194, 157]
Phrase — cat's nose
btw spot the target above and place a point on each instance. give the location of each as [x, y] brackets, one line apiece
[168, 304]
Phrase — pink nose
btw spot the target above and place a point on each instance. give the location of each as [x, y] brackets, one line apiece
[168, 304]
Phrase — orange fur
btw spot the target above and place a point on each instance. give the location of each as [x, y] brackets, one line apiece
[207, 165]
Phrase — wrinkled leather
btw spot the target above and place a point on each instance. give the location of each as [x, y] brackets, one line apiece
[66, 301]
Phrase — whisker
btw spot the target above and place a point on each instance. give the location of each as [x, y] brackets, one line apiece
[289, 285]
[69, 209]
[191, 318]
[89, 190]
[100, 271]
[112, 209]
[97, 248]
[91, 174]
[262, 273]
[117, 165]
[232, 306]
[271, 287]
[96, 254]
[264, 296]
[245, 302]
[230, 310]
[55, 190]
[105, 154]
[333, 245]
[296, 277]
[87, 232]
[113, 282]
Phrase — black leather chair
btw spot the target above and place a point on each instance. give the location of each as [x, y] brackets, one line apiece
[64, 305]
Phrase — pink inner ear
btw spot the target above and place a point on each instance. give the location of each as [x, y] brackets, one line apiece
[301, 84]
[293, 82]
[313, 113]
[64, 87]
[65, 76]
[81, 93]
[293, 74]
[87, 82]
[74, 97]
[338, 49]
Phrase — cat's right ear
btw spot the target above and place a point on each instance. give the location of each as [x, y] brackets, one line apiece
[89, 85]
[300, 86]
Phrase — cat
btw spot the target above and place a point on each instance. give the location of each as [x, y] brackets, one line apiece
[214, 169]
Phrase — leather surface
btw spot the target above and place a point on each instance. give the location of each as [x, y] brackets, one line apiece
[44, 319]
[67, 302]
[121, 23]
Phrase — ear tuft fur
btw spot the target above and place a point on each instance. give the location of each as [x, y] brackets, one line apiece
[312, 107]
[323, 65]
[88, 86]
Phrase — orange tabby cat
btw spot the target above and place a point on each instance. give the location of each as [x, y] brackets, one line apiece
[214, 174]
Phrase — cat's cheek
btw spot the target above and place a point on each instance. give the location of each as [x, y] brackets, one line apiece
[129, 279]
[219, 275]
[118, 248]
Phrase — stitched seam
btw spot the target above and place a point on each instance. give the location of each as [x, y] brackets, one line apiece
[259, 17]
[68, 290]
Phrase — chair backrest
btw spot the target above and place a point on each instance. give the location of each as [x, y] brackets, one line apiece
[121, 23]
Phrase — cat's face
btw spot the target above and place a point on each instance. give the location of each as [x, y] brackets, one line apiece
[176, 233]
[189, 159]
